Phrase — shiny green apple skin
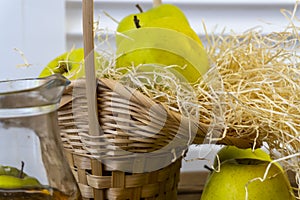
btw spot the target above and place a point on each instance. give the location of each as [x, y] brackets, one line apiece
[13, 182]
[174, 24]
[165, 38]
[70, 64]
[235, 176]
[188, 59]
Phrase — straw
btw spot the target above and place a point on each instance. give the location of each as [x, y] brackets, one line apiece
[88, 41]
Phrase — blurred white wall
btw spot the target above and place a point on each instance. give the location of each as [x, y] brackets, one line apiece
[37, 28]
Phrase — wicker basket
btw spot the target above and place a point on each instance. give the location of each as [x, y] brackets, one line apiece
[139, 151]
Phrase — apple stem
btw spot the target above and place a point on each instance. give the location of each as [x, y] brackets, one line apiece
[139, 8]
[136, 22]
[63, 68]
[209, 168]
[22, 168]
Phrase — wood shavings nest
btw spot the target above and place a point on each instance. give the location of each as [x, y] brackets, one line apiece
[261, 77]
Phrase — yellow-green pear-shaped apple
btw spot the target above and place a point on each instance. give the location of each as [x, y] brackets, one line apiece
[247, 179]
[70, 64]
[161, 36]
[163, 16]
[13, 178]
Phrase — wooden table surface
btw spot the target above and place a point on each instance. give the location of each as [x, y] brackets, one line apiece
[189, 196]
[191, 184]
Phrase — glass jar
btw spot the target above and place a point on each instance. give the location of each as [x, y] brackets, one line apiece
[32, 164]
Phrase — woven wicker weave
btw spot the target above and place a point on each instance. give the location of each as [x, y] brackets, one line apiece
[97, 182]
[128, 120]
[140, 148]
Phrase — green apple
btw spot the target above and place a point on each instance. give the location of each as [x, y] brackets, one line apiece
[12, 178]
[163, 16]
[161, 36]
[244, 179]
[70, 64]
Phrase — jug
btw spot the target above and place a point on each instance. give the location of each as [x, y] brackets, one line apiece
[32, 163]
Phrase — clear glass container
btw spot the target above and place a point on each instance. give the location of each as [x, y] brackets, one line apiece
[32, 164]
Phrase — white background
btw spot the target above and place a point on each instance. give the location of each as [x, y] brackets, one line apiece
[35, 27]
[44, 29]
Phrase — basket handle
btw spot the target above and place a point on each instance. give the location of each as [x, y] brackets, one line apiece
[88, 43]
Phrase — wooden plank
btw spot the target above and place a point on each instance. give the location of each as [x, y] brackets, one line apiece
[192, 181]
[187, 196]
